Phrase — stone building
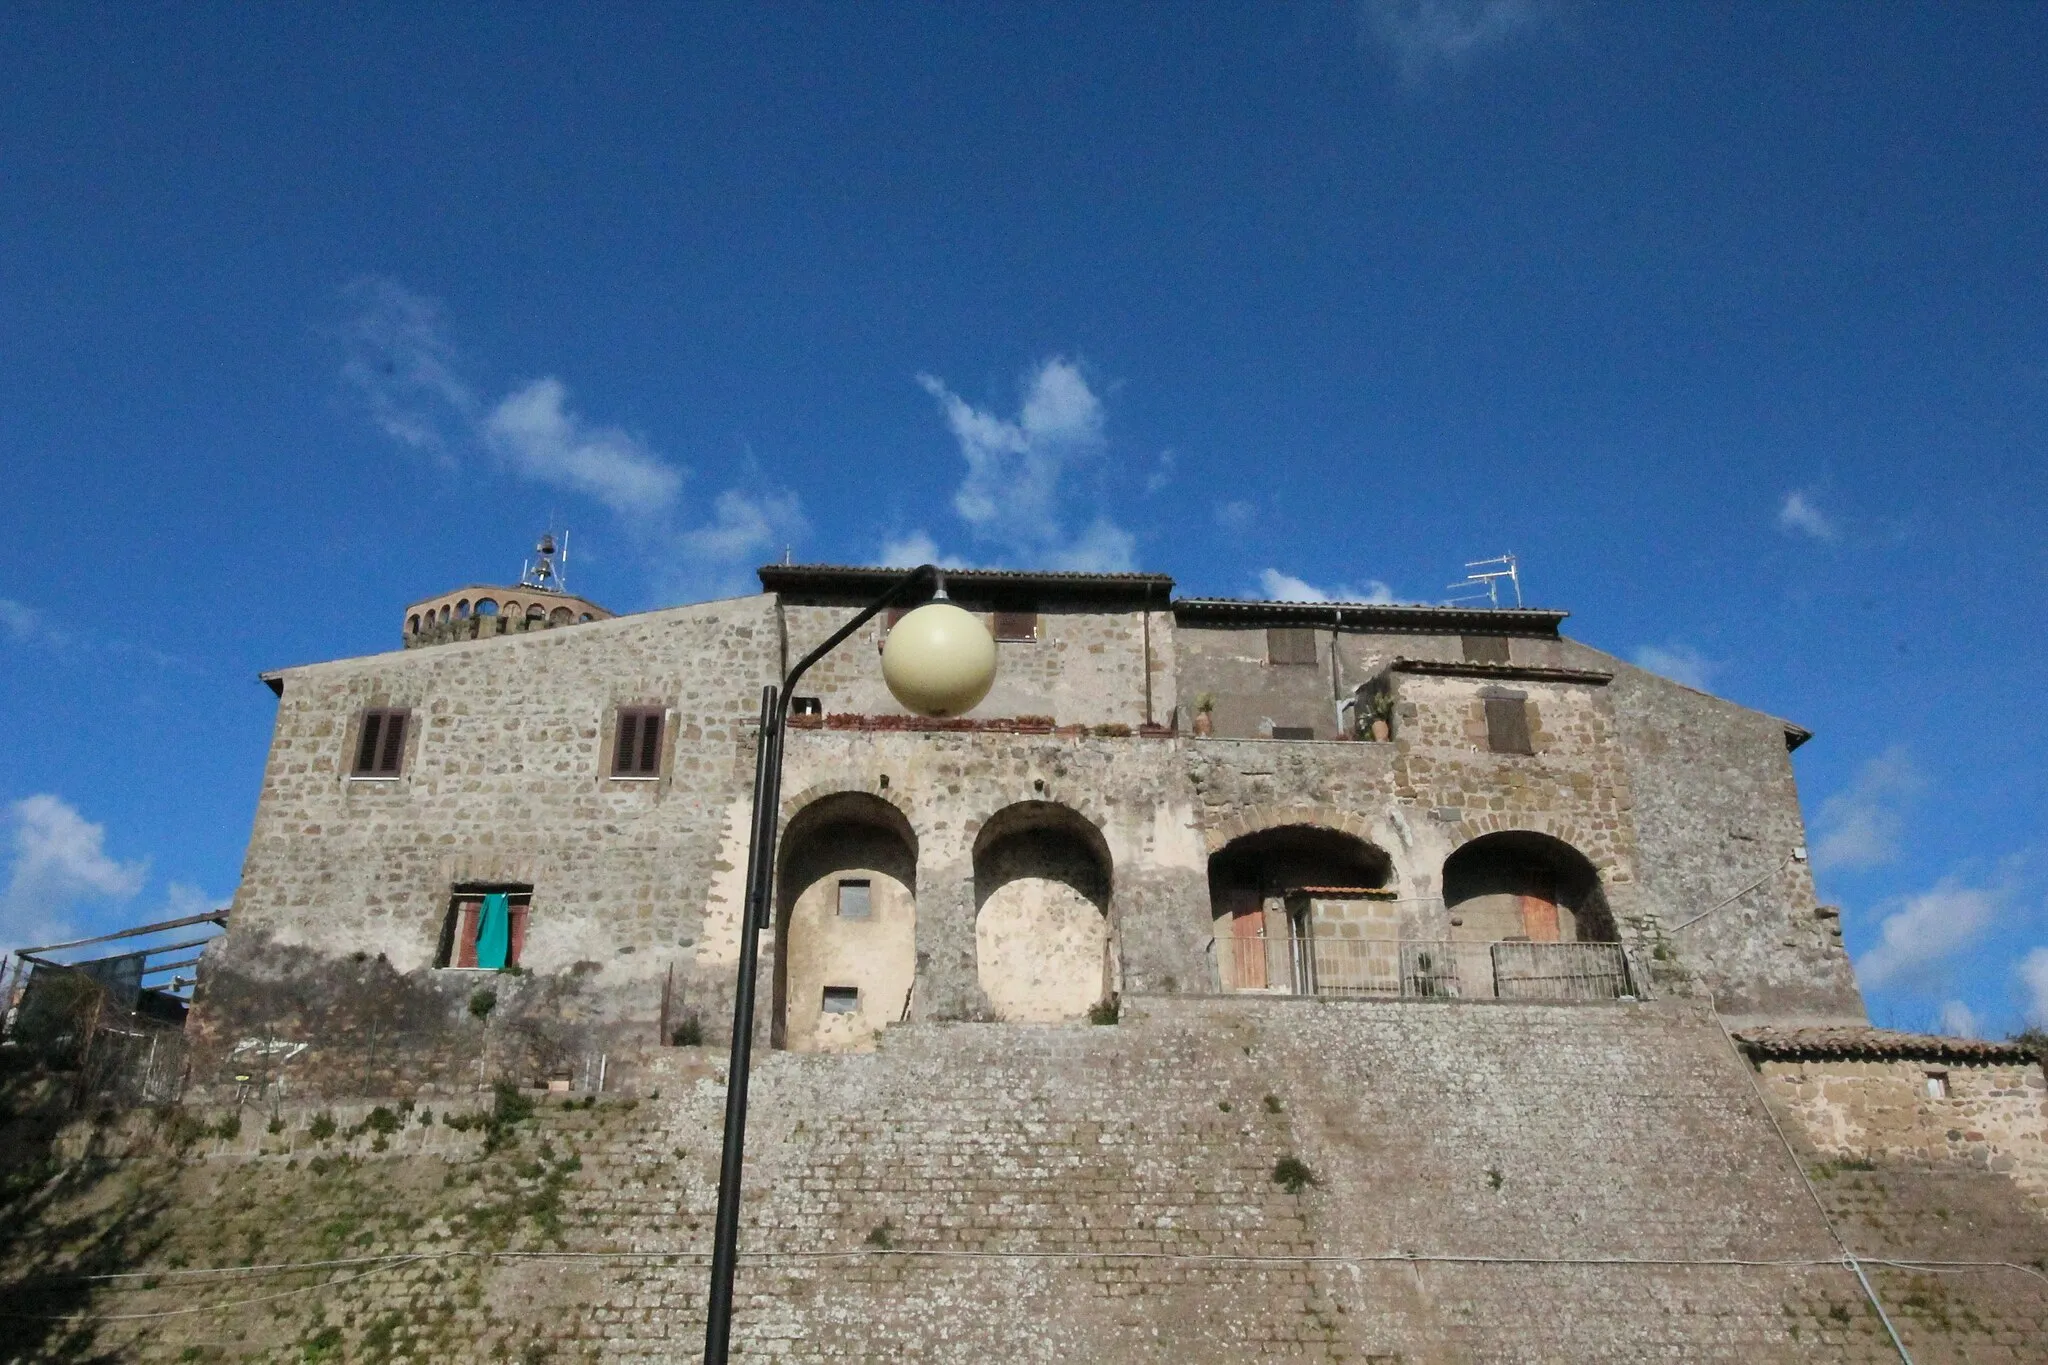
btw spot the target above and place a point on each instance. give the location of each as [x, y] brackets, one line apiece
[1161, 796]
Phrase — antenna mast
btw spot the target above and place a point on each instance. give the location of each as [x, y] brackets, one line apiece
[1486, 579]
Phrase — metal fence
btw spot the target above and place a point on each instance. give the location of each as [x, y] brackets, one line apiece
[1420, 969]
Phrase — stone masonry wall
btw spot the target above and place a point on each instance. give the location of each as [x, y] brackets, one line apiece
[1474, 1183]
[1992, 1118]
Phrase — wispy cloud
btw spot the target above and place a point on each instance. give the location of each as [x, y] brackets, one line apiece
[1679, 662]
[59, 860]
[1924, 931]
[1958, 1020]
[1015, 494]
[2033, 974]
[1423, 37]
[410, 378]
[1799, 515]
[1283, 587]
[22, 624]
[1236, 515]
[1860, 826]
[1162, 473]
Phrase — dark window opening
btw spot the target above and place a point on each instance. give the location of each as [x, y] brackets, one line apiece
[638, 750]
[806, 706]
[1294, 732]
[855, 898]
[840, 1000]
[486, 927]
[1290, 645]
[1485, 649]
[1507, 726]
[1016, 624]
[380, 747]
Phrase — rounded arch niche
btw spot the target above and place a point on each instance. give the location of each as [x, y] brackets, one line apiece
[1042, 944]
[1521, 885]
[1273, 892]
[845, 924]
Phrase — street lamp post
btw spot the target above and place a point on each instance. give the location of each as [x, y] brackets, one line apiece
[938, 661]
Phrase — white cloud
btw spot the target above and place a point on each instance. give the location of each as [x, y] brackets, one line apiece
[1282, 587]
[410, 377]
[1236, 515]
[1679, 662]
[1798, 515]
[59, 860]
[1958, 1020]
[1425, 35]
[21, 620]
[539, 439]
[2033, 971]
[1926, 930]
[1162, 473]
[1860, 826]
[1012, 496]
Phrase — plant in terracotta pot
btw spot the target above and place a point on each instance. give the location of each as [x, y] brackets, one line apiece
[1382, 716]
[1205, 714]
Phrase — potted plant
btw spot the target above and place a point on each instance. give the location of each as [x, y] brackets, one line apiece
[1383, 716]
[1205, 720]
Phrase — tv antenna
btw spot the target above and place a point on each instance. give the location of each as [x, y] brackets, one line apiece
[1483, 577]
[545, 570]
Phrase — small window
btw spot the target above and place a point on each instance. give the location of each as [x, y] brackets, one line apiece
[473, 935]
[1290, 645]
[380, 744]
[854, 902]
[637, 753]
[1017, 626]
[1937, 1085]
[806, 706]
[841, 1000]
[1293, 732]
[486, 606]
[1485, 649]
[1507, 726]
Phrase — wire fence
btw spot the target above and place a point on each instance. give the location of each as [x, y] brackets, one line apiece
[1419, 969]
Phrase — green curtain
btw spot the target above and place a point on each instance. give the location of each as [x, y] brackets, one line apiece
[494, 932]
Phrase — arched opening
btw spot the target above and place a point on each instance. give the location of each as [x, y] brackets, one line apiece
[412, 623]
[486, 606]
[1304, 909]
[584, 617]
[846, 924]
[1041, 928]
[536, 612]
[511, 608]
[462, 610]
[444, 614]
[1518, 885]
[561, 616]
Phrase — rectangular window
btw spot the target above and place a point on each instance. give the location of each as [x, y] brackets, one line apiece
[854, 902]
[841, 1000]
[1937, 1085]
[473, 918]
[1507, 726]
[1293, 732]
[638, 750]
[1018, 626]
[380, 746]
[1485, 649]
[1290, 645]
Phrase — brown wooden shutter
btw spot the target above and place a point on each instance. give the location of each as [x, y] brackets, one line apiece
[394, 743]
[650, 743]
[467, 912]
[518, 913]
[627, 744]
[366, 748]
[1017, 625]
[1485, 649]
[1290, 645]
[1507, 726]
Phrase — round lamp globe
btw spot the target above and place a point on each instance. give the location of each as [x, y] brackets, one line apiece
[939, 660]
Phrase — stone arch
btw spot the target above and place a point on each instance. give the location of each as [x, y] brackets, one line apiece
[462, 610]
[845, 922]
[561, 616]
[1042, 882]
[412, 623]
[1277, 890]
[536, 611]
[1256, 818]
[1525, 884]
[794, 807]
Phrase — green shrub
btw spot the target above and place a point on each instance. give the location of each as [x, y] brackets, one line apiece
[1292, 1175]
[322, 1126]
[688, 1032]
[482, 1001]
[382, 1120]
[1105, 1011]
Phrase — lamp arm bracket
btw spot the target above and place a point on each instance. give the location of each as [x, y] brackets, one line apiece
[924, 576]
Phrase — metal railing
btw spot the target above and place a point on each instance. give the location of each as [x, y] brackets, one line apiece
[1420, 969]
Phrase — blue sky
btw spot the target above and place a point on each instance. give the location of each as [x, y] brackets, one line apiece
[1729, 321]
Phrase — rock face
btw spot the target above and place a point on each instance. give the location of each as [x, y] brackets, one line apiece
[1207, 1181]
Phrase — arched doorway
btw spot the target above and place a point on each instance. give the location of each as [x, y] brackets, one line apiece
[1041, 928]
[846, 924]
[1304, 909]
[1536, 904]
